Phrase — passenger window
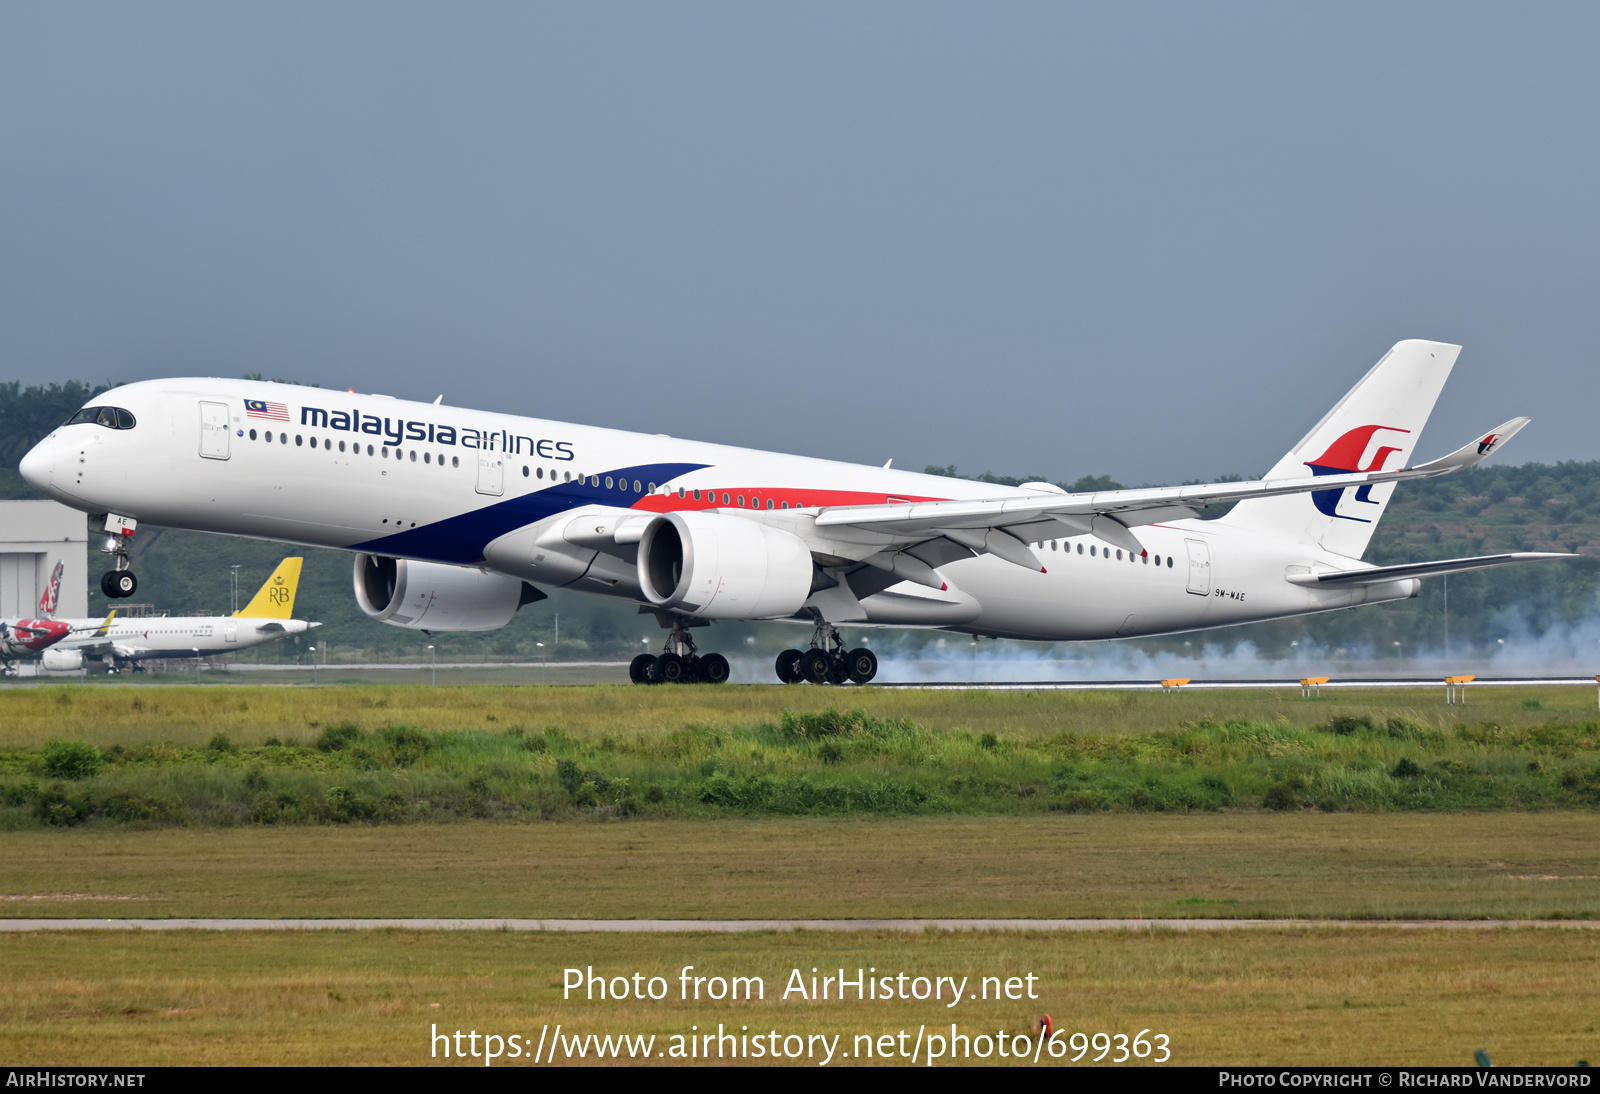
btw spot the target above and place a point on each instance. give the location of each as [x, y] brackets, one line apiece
[785, 505]
[385, 451]
[313, 442]
[725, 500]
[608, 482]
[539, 473]
[1091, 550]
[636, 489]
[1052, 545]
[769, 503]
[124, 419]
[413, 455]
[741, 499]
[297, 441]
[283, 438]
[252, 434]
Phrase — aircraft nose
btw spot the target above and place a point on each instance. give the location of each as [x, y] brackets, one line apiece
[39, 464]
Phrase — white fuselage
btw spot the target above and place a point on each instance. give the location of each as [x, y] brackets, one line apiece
[143, 637]
[444, 484]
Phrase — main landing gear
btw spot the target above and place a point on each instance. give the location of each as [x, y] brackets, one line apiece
[118, 582]
[827, 662]
[679, 663]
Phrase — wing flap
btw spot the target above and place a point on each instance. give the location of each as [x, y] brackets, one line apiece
[1110, 514]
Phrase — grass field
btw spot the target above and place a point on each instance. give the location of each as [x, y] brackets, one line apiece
[1427, 865]
[178, 756]
[616, 802]
[1361, 995]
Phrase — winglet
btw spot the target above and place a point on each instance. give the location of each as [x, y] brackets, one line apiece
[1476, 452]
[275, 599]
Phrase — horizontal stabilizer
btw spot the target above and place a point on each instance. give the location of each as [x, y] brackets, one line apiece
[1377, 575]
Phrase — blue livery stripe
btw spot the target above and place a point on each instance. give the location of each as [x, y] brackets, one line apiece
[462, 539]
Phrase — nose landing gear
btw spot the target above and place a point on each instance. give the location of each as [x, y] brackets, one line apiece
[679, 662]
[827, 661]
[118, 582]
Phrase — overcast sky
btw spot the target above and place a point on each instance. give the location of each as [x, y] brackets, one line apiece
[1150, 240]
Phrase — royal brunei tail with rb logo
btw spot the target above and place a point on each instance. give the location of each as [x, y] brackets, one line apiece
[456, 518]
[275, 599]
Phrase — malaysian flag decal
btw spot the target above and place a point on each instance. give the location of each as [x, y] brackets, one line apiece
[260, 408]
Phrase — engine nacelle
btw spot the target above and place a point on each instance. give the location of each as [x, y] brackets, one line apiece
[435, 597]
[717, 566]
[61, 660]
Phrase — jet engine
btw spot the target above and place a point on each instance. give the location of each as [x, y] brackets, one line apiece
[718, 566]
[434, 597]
[61, 660]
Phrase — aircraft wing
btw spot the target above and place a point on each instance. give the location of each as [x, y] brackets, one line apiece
[1004, 526]
[1375, 575]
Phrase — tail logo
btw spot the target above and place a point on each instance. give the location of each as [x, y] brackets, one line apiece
[1486, 445]
[1344, 457]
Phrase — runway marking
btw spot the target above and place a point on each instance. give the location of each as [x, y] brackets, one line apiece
[738, 926]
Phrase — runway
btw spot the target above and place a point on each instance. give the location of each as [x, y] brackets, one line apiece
[1236, 685]
[743, 926]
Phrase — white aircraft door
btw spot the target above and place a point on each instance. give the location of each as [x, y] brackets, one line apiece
[214, 431]
[231, 631]
[491, 473]
[1199, 567]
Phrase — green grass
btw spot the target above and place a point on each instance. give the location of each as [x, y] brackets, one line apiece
[1346, 865]
[1350, 996]
[187, 756]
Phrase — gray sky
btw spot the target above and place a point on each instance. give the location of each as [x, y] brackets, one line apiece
[1150, 240]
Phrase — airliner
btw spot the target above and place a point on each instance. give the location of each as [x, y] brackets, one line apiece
[29, 639]
[456, 518]
[121, 643]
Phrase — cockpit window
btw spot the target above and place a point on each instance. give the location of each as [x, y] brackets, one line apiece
[111, 417]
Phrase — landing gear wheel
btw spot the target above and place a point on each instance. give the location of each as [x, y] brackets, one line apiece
[816, 666]
[117, 584]
[840, 673]
[789, 667]
[672, 669]
[642, 669]
[714, 669]
[862, 665]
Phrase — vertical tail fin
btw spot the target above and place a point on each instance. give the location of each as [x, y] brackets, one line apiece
[275, 599]
[52, 594]
[1374, 427]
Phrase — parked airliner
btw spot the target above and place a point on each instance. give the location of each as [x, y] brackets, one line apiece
[28, 639]
[455, 517]
[125, 642]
